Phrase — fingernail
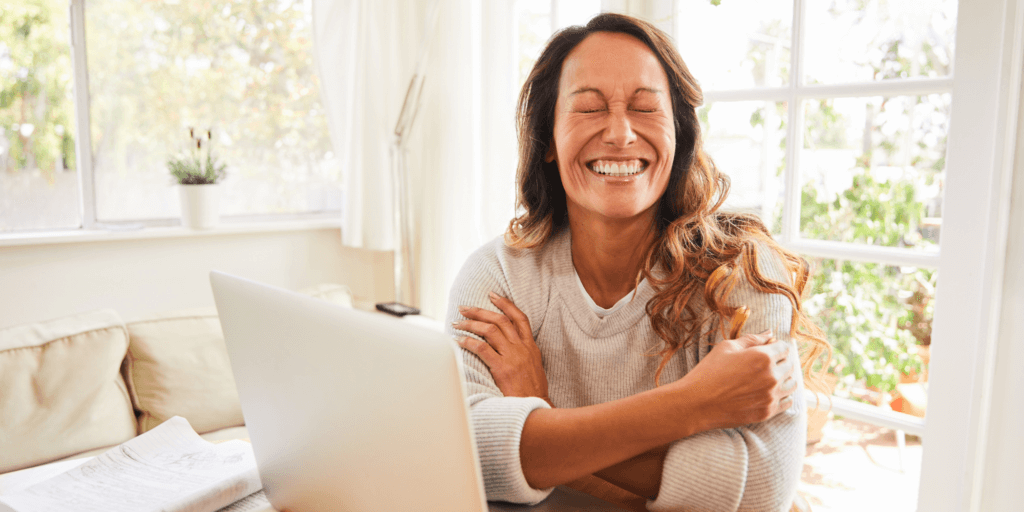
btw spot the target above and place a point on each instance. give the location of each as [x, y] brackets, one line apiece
[456, 323]
[494, 296]
[463, 309]
[458, 339]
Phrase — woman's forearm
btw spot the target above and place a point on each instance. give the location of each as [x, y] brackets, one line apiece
[640, 475]
[561, 445]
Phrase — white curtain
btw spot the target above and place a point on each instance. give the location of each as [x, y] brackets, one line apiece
[363, 51]
[462, 147]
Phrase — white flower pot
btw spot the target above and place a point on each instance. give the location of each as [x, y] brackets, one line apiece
[200, 206]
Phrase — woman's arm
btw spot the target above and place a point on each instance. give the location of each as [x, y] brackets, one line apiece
[523, 445]
[754, 467]
[740, 382]
[640, 475]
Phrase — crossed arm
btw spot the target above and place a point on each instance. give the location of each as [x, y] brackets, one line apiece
[627, 442]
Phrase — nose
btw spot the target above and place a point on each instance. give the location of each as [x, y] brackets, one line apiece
[618, 132]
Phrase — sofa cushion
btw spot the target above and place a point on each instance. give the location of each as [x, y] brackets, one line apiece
[62, 388]
[178, 365]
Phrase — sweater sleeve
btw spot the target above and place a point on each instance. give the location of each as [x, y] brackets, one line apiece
[497, 420]
[752, 468]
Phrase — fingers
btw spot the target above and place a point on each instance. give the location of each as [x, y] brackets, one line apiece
[755, 340]
[785, 403]
[788, 387]
[491, 333]
[520, 320]
[777, 349]
[481, 349]
[478, 322]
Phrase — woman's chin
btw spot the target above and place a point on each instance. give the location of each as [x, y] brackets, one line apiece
[622, 214]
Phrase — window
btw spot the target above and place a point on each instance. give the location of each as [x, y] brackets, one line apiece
[38, 167]
[150, 72]
[832, 118]
[842, 153]
[536, 20]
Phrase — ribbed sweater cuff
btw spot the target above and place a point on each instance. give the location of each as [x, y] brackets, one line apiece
[498, 425]
[705, 472]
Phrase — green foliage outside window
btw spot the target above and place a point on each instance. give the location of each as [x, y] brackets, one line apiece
[874, 315]
[888, 157]
[36, 107]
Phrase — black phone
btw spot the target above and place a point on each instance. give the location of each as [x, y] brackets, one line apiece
[397, 309]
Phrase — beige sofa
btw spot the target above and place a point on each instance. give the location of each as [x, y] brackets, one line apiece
[75, 386]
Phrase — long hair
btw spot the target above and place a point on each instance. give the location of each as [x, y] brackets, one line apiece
[699, 248]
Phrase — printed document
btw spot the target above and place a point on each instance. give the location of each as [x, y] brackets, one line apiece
[168, 469]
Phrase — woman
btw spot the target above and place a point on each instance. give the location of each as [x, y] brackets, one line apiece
[588, 332]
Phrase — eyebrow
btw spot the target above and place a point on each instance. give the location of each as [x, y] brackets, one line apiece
[582, 90]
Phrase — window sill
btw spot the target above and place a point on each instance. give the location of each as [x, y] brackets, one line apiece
[117, 233]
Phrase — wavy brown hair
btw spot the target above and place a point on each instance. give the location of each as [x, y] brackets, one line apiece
[700, 248]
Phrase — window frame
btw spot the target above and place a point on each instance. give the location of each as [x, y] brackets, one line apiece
[89, 220]
[795, 94]
[985, 88]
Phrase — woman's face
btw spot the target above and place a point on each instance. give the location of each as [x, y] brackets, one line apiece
[614, 138]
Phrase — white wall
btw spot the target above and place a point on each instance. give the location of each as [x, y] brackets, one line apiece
[143, 275]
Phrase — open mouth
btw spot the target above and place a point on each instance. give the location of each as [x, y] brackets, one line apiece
[618, 168]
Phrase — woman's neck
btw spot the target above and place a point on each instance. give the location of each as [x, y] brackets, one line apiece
[608, 253]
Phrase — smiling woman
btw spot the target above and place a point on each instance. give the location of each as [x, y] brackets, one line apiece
[614, 133]
[621, 253]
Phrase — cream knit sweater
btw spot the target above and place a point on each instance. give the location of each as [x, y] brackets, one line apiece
[590, 360]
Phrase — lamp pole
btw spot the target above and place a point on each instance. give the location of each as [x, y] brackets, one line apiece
[399, 170]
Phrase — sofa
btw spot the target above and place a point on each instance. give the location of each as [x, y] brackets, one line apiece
[75, 386]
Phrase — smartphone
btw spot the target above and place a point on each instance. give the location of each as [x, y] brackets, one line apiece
[397, 309]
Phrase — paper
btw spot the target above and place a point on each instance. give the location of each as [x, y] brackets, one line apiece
[256, 501]
[15, 481]
[168, 469]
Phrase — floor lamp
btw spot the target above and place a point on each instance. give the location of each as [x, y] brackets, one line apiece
[400, 174]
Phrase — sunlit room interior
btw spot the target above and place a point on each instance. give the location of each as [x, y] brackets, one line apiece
[362, 150]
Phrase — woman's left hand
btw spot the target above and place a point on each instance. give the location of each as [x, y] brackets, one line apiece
[510, 351]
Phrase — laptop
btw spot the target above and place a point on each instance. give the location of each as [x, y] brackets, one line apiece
[354, 411]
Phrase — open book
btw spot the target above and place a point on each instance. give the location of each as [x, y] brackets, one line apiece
[167, 469]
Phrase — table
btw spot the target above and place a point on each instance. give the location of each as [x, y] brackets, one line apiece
[563, 499]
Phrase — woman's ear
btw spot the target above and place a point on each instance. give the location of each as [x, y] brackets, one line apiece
[551, 154]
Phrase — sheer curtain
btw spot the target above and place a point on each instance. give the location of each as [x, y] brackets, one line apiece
[462, 148]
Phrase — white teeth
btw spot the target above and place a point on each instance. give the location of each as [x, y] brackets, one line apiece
[617, 169]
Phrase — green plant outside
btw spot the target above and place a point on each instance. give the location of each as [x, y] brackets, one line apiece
[35, 88]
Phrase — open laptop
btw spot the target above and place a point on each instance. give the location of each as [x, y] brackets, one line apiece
[351, 410]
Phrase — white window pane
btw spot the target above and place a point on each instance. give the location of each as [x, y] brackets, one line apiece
[872, 170]
[877, 318]
[857, 466]
[867, 40]
[747, 141]
[576, 12]
[38, 178]
[533, 25]
[156, 68]
[736, 44]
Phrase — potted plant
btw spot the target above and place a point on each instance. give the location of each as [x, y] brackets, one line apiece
[197, 173]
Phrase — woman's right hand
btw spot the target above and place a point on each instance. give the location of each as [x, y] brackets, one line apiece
[743, 381]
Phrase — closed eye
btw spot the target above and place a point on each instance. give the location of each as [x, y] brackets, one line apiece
[645, 107]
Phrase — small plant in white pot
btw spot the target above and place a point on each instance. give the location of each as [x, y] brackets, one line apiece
[197, 173]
